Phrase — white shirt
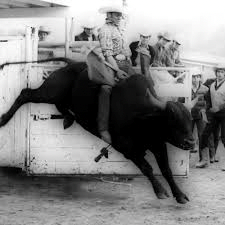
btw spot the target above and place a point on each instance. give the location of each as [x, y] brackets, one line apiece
[217, 95]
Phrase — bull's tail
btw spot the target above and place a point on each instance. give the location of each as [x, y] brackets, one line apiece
[58, 59]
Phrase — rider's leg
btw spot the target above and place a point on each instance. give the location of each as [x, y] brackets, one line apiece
[103, 112]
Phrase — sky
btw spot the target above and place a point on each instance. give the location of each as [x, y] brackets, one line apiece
[198, 24]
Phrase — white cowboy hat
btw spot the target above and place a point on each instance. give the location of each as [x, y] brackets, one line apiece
[175, 39]
[89, 25]
[145, 33]
[44, 29]
[112, 8]
[196, 71]
[219, 66]
[164, 35]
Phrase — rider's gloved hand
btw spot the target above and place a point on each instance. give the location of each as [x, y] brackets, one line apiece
[121, 74]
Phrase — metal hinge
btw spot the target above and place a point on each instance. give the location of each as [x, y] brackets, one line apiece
[37, 117]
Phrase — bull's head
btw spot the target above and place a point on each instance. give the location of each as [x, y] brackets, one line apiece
[179, 123]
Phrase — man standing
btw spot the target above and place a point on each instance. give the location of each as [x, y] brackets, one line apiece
[217, 114]
[110, 66]
[141, 46]
[198, 93]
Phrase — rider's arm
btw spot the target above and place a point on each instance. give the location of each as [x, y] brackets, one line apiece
[112, 61]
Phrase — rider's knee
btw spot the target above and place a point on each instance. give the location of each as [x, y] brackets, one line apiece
[106, 88]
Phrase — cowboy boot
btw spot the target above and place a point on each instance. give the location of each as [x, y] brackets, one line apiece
[205, 159]
[217, 159]
[212, 155]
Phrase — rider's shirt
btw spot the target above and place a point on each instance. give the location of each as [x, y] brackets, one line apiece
[111, 40]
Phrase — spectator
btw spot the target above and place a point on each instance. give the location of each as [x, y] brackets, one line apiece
[162, 59]
[214, 137]
[87, 34]
[173, 54]
[198, 92]
[44, 53]
[141, 46]
[43, 33]
[216, 112]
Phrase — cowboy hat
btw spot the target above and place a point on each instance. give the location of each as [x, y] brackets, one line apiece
[89, 25]
[196, 71]
[164, 35]
[175, 39]
[44, 29]
[145, 33]
[112, 8]
[219, 67]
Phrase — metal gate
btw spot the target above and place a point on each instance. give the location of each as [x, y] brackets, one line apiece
[13, 78]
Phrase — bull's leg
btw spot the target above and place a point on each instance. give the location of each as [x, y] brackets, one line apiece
[147, 170]
[162, 159]
[26, 95]
[68, 116]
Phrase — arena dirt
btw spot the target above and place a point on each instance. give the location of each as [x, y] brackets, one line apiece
[76, 201]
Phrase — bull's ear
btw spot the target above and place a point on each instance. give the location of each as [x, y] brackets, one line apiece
[155, 102]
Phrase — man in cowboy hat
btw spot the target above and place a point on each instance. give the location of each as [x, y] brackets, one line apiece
[216, 114]
[43, 32]
[161, 58]
[141, 46]
[87, 34]
[173, 53]
[198, 96]
[173, 56]
[44, 53]
[113, 66]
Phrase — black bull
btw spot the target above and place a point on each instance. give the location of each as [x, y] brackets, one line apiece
[137, 120]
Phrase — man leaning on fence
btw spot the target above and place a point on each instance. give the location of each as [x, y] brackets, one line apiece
[87, 34]
[162, 59]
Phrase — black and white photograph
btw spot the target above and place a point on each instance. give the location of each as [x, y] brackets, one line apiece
[112, 112]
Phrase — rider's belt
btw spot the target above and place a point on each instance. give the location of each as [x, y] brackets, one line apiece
[120, 57]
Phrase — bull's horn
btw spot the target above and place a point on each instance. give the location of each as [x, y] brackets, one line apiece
[154, 101]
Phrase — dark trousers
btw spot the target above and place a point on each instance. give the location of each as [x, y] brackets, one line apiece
[200, 124]
[216, 120]
[214, 140]
[102, 74]
[104, 98]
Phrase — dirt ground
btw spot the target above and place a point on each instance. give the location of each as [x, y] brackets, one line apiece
[83, 201]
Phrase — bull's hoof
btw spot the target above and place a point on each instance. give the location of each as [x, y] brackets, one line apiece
[182, 199]
[162, 195]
